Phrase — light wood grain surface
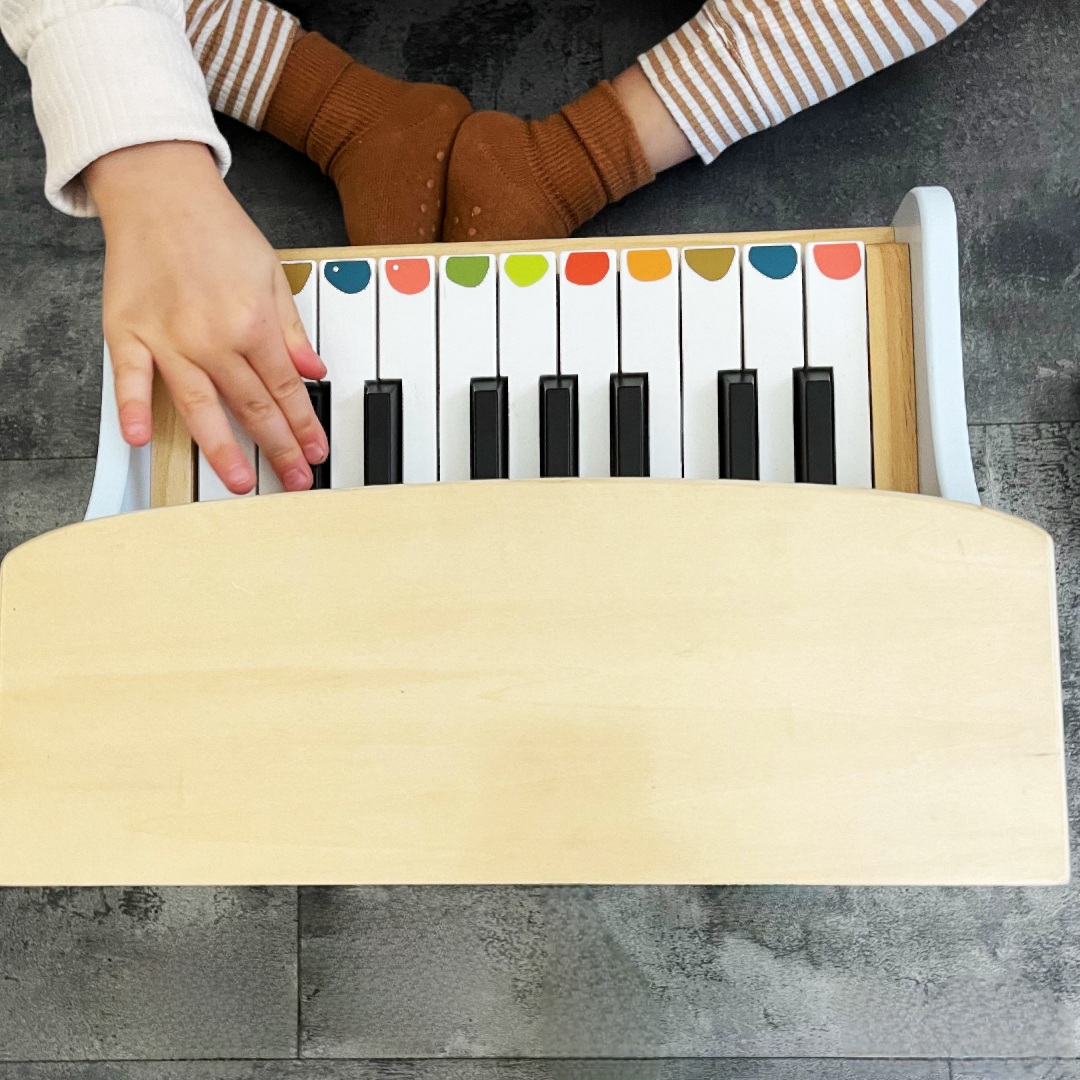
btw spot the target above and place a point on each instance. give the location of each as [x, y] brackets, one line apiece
[892, 367]
[546, 681]
[172, 452]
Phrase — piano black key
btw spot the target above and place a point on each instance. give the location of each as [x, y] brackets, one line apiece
[737, 417]
[558, 425]
[319, 393]
[382, 432]
[815, 425]
[489, 445]
[629, 425]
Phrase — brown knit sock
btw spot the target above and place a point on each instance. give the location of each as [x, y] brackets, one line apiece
[514, 179]
[385, 143]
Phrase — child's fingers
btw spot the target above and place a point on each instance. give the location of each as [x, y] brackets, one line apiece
[133, 380]
[197, 402]
[260, 415]
[303, 356]
[271, 363]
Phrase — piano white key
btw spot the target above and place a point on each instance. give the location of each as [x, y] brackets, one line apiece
[711, 342]
[407, 351]
[773, 345]
[210, 486]
[528, 348]
[467, 350]
[836, 337]
[347, 345]
[589, 347]
[649, 343]
[304, 284]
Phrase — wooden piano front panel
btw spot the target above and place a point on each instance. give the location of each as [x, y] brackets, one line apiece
[556, 681]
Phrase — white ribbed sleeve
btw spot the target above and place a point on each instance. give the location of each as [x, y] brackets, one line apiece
[106, 74]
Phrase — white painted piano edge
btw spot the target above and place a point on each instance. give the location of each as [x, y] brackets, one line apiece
[122, 473]
[926, 222]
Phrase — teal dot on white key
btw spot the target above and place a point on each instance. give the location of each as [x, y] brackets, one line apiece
[350, 276]
[776, 261]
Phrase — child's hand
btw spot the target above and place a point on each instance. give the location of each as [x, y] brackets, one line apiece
[192, 286]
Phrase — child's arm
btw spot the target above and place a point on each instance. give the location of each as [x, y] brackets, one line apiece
[106, 74]
[189, 281]
[738, 68]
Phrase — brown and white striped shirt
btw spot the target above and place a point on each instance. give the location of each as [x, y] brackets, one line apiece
[241, 46]
[741, 66]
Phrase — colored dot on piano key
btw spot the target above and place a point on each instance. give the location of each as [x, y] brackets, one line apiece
[648, 264]
[776, 261]
[408, 276]
[587, 267]
[525, 270]
[297, 275]
[468, 271]
[838, 261]
[712, 264]
[349, 277]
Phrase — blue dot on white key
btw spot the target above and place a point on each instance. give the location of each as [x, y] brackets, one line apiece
[776, 261]
[351, 276]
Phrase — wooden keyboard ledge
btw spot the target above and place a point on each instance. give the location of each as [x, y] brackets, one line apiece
[610, 681]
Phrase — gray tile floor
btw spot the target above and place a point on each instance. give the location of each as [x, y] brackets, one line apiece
[531, 984]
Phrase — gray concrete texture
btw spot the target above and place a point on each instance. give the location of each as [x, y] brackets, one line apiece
[479, 1069]
[597, 984]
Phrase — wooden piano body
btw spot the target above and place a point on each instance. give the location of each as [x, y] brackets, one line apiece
[551, 681]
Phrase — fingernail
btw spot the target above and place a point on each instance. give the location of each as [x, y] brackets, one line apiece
[240, 478]
[298, 479]
[316, 451]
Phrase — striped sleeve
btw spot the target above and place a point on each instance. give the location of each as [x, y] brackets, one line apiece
[241, 47]
[740, 66]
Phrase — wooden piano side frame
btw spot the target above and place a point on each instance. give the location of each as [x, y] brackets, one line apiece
[173, 469]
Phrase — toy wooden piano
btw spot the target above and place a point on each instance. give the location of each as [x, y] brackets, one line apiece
[708, 597]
